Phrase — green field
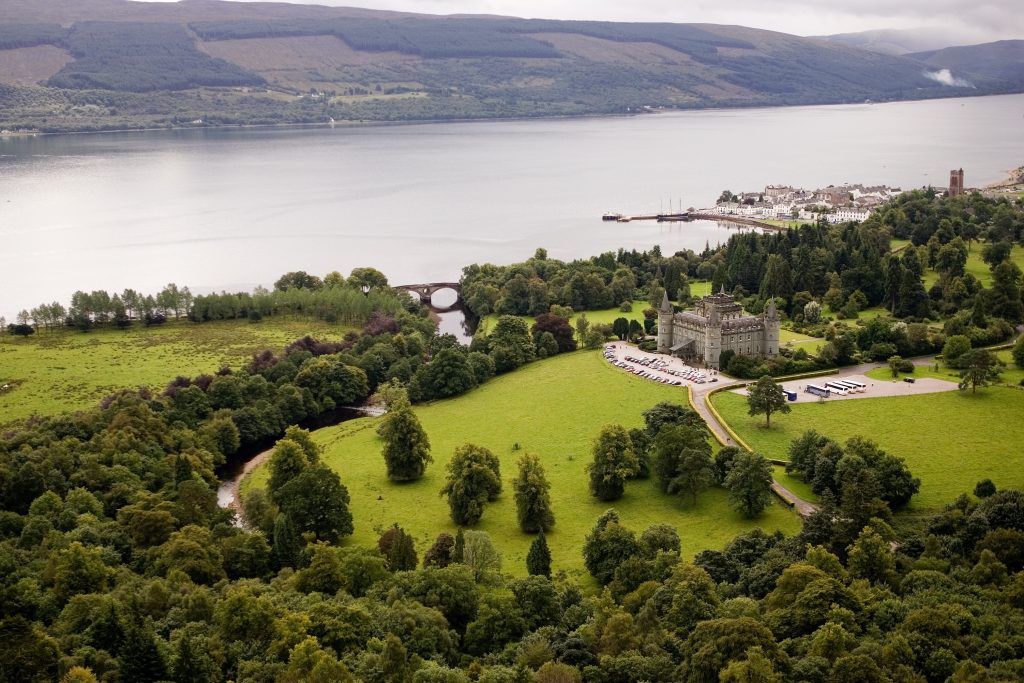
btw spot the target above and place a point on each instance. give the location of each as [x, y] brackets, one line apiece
[794, 340]
[553, 408]
[1011, 374]
[950, 440]
[977, 267]
[53, 372]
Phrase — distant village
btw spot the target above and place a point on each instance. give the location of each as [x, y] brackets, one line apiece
[836, 203]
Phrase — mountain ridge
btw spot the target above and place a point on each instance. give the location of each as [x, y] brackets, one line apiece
[116, 64]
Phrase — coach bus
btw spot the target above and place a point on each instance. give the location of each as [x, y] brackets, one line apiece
[817, 391]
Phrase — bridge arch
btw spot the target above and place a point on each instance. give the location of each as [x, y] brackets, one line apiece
[427, 290]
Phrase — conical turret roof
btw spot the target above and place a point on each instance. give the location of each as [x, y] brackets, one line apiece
[666, 305]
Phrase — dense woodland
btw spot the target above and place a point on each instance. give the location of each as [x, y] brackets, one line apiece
[118, 565]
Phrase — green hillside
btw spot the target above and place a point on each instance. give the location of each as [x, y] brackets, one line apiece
[164, 64]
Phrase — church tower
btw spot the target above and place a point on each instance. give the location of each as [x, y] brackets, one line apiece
[770, 342]
[665, 314]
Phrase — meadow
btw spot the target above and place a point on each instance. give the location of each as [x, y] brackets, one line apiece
[1011, 375]
[553, 408]
[950, 440]
[976, 267]
[66, 370]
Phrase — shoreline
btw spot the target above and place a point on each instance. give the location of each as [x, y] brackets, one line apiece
[368, 123]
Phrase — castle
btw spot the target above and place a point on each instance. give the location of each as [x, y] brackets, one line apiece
[717, 324]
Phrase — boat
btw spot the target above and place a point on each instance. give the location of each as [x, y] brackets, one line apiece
[610, 216]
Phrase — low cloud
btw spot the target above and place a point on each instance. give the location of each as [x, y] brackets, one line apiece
[946, 77]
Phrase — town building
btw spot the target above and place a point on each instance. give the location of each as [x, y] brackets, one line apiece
[717, 324]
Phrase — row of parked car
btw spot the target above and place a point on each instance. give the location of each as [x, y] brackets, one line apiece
[643, 367]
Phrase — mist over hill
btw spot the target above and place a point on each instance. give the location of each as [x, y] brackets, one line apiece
[103, 64]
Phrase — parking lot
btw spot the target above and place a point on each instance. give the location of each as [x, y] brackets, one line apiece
[873, 388]
[655, 366]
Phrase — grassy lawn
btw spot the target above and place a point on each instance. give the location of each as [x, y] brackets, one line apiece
[898, 245]
[1011, 375]
[553, 408]
[950, 440]
[977, 267]
[794, 340]
[51, 372]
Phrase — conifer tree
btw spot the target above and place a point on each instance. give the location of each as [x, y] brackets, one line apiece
[533, 497]
[614, 462]
[459, 550]
[398, 549]
[538, 560]
[287, 544]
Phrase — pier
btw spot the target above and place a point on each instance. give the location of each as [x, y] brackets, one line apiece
[688, 216]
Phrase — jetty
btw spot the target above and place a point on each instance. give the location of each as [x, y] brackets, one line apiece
[688, 216]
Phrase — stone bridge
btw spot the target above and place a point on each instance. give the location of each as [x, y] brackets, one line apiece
[427, 290]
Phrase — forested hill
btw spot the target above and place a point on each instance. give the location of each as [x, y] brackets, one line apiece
[112, 64]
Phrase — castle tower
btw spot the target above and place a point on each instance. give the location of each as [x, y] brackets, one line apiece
[665, 314]
[713, 337]
[770, 342]
[956, 182]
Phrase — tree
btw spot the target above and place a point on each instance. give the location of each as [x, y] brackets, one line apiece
[994, 253]
[287, 543]
[1018, 353]
[398, 549]
[895, 363]
[533, 497]
[473, 480]
[558, 327]
[287, 461]
[328, 377]
[406, 446]
[980, 368]
[955, 347]
[614, 462]
[480, 555]
[984, 488]
[620, 328]
[316, 501]
[538, 559]
[440, 554]
[449, 373]
[765, 397]
[608, 545]
[510, 343]
[1005, 295]
[682, 460]
[750, 484]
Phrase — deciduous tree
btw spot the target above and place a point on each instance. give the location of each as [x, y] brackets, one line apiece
[765, 397]
[614, 462]
[750, 484]
[473, 480]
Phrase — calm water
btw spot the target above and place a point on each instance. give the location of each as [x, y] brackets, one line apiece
[232, 209]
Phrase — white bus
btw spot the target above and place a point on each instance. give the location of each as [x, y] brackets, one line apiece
[849, 386]
[859, 385]
[837, 388]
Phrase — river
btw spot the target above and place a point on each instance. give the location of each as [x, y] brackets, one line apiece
[232, 208]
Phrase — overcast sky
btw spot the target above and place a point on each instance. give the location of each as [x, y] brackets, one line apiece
[970, 20]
